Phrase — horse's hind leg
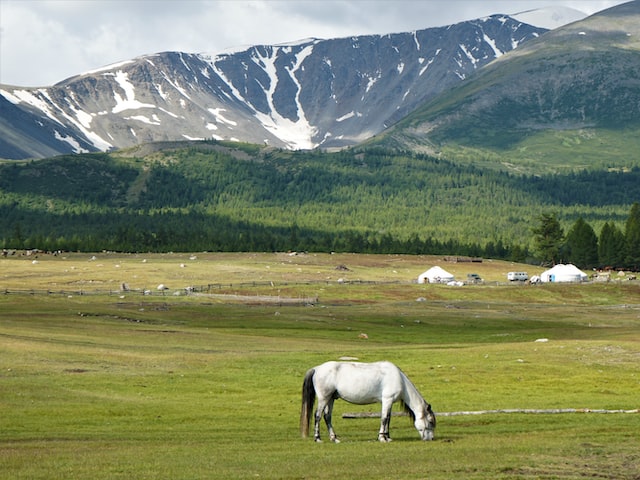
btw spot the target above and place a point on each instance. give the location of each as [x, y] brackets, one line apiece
[322, 405]
[327, 418]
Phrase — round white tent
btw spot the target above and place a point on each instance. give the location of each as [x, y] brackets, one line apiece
[435, 275]
[564, 273]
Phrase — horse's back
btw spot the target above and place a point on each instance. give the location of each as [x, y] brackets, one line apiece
[381, 368]
[359, 382]
[334, 364]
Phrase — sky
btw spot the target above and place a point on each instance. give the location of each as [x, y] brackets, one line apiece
[43, 42]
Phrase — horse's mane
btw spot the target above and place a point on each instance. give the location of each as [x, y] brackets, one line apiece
[406, 407]
[408, 410]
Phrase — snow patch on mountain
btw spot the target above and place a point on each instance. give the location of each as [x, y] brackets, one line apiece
[297, 134]
[83, 117]
[129, 102]
[491, 42]
[217, 112]
[30, 98]
[144, 119]
[71, 141]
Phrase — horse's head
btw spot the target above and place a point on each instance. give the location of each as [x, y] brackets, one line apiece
[425, 423]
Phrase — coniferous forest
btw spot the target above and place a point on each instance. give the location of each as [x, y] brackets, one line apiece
[210, 196]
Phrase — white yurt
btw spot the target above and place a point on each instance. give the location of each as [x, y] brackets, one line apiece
[564, 273]
[435, 275]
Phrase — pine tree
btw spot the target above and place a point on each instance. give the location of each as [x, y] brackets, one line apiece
[548, 238]
[632, 238]
[611, 246]
[582, 244]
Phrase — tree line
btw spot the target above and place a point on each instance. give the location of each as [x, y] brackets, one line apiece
[357, 200]
[613, 248]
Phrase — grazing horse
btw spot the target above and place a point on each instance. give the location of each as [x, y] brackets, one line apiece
[362, 383]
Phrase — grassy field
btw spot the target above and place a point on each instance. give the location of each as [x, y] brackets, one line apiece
[108, 383]
[107, 271]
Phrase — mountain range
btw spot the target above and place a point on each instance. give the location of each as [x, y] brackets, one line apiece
[302, 95]
[495, 90]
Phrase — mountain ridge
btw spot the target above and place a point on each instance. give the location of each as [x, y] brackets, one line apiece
[550, 17]
[306, 94]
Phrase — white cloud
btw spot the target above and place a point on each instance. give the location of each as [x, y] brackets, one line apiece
[45, 41]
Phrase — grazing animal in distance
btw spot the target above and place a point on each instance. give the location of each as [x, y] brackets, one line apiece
[362, 384]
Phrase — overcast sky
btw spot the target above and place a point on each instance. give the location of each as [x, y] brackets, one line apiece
[45, 41]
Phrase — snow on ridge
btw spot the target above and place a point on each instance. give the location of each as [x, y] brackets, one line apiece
[106, 68]
[211, 57]
[299, 43]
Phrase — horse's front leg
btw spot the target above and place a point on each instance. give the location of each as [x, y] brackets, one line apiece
[385, 421]
[327, 419]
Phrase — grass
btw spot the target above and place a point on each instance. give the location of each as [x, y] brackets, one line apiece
[129, 386]
[554, 151]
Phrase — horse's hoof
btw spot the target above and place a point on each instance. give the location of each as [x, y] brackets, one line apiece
[383, 439]
[317, 440]
[335, 440]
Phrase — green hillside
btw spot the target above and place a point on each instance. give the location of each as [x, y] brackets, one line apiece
[212, 196]
[567, 100]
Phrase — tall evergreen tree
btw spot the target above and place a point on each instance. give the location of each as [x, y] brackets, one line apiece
[611, 246]
[582, 244]
[632, 238]
[548, 238]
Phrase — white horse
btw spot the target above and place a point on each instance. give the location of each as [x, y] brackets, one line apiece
[362, 383]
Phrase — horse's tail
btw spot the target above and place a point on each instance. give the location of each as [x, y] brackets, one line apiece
[308, 398]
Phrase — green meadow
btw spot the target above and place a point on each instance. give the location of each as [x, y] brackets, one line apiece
[99, 382]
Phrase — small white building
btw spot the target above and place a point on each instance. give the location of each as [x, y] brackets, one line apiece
[435, 275]
[564, 273]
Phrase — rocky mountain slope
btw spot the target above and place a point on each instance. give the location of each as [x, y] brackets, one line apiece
[312, 93]
[580, 80]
